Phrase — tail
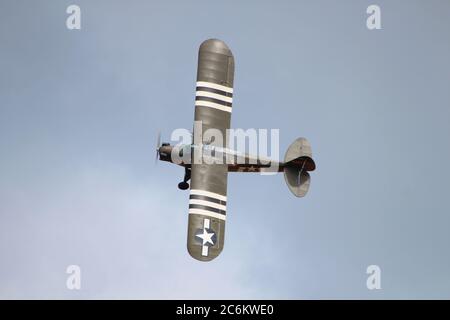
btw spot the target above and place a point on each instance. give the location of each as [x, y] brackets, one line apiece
[297, 162]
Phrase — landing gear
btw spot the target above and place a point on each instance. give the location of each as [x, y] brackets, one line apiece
[183, 185]
[187, 176]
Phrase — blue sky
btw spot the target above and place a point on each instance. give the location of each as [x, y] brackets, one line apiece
[80, 111]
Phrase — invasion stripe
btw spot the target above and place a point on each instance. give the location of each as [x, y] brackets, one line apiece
[208, 194]
[208, 213]
[214, 86]
[221, 102]
[206, 198]
[214, 96]
[207, 208]
[208, 204]
[212, 105]
[223, 93]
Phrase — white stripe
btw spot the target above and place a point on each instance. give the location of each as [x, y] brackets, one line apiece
[207, 213]
[205, 251]
[208, 194]
[214, 86]
[213, 95]
[208, 203]
[206, 223]
[212, 105]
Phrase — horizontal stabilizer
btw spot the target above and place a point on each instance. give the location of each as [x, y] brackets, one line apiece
[299, 154]
[297, 181]
[297, 162]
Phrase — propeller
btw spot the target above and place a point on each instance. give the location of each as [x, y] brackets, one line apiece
[158, 145]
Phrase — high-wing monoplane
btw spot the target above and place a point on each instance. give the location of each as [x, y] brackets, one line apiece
[208, 186]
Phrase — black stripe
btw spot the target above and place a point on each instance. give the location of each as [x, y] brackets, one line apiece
[223, 93]
[199, 206]
[199, 197]
[224, 103]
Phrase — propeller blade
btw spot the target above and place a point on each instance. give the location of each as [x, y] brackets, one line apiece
[158, 144]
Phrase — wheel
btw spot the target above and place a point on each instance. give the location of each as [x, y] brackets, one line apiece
[183, 185]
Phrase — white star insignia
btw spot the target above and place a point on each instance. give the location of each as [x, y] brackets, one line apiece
[206, 237]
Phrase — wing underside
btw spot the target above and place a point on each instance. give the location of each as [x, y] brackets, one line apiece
[208, 194]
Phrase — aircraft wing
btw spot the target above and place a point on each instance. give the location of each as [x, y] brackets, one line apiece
[208, 194]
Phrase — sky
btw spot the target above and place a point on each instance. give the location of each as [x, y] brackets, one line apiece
[80, 111]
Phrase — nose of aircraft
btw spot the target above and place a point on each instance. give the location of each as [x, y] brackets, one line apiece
[165, 152]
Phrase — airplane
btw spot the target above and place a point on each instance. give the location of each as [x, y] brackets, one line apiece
[208, 187]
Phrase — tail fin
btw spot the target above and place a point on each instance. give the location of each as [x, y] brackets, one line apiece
[297, 162]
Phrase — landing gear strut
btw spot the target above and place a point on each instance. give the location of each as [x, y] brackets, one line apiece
[187, 176]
